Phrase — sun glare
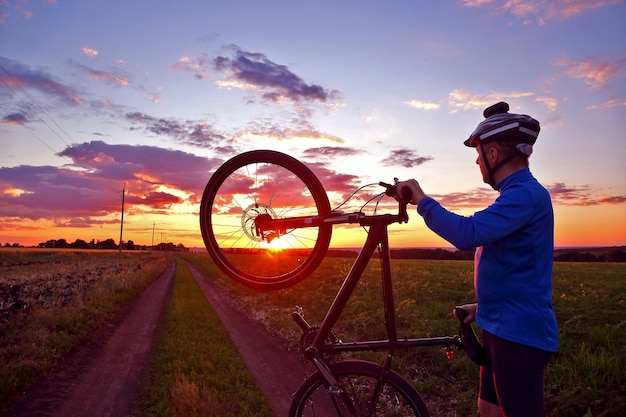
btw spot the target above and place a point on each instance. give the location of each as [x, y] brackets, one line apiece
[278, 244]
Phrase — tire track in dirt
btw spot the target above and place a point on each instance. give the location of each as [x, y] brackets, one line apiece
[278, 372]
[102, 377]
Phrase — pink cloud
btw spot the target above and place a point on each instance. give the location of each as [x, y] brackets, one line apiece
[90, 187]
[20, 76]
[594, 72]
[541, 10]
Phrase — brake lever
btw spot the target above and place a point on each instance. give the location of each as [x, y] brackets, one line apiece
[392, 191]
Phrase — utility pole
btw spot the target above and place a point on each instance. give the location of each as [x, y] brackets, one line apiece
[122, 222]
[153, 225]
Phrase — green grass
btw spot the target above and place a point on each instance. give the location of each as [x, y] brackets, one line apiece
[589, 373]
[195, 370]
[586, 378]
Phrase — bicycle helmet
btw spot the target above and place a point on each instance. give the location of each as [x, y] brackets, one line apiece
[517, 130]
[502, 126]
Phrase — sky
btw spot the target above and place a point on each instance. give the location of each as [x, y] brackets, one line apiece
[152, 96]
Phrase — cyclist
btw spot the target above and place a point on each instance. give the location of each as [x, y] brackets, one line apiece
[513, 240]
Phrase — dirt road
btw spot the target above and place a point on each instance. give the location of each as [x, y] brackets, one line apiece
[101, 377]
[278, 372]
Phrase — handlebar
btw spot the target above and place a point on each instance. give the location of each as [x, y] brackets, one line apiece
[265, 225]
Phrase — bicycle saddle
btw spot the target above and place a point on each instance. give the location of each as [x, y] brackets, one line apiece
[471, 344]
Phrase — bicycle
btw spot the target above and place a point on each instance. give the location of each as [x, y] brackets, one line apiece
[259, 197]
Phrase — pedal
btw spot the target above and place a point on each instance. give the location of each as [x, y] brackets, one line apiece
[298, 317]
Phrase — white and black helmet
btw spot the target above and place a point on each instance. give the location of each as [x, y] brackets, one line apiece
[502, 126]
[518, 131]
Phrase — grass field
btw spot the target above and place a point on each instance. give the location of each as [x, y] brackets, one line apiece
[50, 300]
[586, 378]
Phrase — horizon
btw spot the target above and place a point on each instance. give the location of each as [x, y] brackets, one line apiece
[99, 103]
[347, 248]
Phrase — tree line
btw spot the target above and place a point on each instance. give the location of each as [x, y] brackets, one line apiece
[102, 244]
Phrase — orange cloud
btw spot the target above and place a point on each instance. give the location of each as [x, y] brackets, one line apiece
[460, 99]
[112, 77]
[594, 72]
[612, 102]
[89, 51]
[422, 105]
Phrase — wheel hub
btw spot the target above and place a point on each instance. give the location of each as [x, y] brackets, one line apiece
[252, 219]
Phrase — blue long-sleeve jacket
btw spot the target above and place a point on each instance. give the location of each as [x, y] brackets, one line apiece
[514, 242]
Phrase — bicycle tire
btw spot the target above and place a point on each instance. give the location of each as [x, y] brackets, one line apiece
[264, 183]
[358, 379]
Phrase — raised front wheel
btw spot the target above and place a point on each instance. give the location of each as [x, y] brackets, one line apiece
[240, 206]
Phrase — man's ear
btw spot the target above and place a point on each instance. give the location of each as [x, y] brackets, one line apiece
[492, 154]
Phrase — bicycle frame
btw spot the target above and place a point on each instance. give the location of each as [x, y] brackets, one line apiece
[377, 238]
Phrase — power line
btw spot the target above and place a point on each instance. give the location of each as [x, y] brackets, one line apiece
[29, 130]
[40, 107]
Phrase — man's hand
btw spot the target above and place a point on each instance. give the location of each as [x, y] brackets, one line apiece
[416, 191]
[471, 312]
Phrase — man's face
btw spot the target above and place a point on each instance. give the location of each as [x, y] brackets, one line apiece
[481, 163]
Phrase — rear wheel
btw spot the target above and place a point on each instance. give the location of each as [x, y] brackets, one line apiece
[256, 187]
[366, 390]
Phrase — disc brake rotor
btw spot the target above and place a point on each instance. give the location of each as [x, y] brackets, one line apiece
[251, 215]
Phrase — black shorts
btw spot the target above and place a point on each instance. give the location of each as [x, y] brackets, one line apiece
[514, 377]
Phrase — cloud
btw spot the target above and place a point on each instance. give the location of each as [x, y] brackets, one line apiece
[335, 182]
[150, 164]
[612, 102]
[541, 10]
[422, 105]
[253, 71]
[90, 185]
[292, 129]
[14, 118]
[191, 132]
[156, 200]
[593, 71]
[404, 157]
[111, 77]
[580, 196]
[200, 67]
[329, 153]
[549, 102]
[475, 199]
[275, 82]
[205, 135]
[561, 194]
[89, 51]
[18, 8]
[460, 99]
[572, 7]
[19, 78]
[47, 192]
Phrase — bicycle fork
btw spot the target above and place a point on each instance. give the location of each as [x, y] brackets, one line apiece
[335, 393]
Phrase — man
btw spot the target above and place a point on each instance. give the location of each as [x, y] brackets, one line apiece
[514, 242]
